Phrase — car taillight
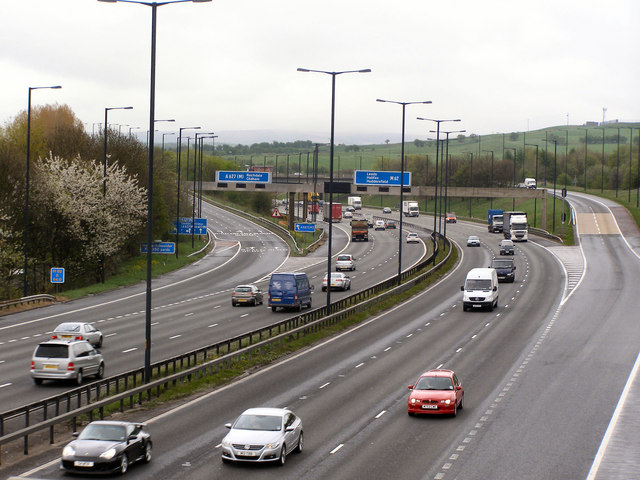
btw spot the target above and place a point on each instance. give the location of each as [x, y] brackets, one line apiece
[295, 297]
[53, 337]
[79, 337]
[70, 366]
[33, 365]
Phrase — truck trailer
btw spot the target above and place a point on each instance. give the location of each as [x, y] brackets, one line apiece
[334, 216]
[355, 202]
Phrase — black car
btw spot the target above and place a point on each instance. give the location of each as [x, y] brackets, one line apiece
[507, 247]
[505, 268]
[107, 447]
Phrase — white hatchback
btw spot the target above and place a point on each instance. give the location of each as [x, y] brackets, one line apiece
[345, 261]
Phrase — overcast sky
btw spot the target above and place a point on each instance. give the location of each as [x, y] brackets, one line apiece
[229, 66]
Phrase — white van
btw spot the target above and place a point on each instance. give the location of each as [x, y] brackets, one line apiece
[480, 289]
[530, 182]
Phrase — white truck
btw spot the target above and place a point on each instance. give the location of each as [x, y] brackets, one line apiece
[355, 202]
[530, 182]
[410, 209]
[515, 226]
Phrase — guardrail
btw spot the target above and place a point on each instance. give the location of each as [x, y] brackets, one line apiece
[27, 301]
[86, 399]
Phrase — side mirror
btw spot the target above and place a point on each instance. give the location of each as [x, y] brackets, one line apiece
[313, 287]
[459, 387]
[131, 438]
[410, 387]
[290, 428]
[75, 434]
[495, 289]
[227, 425]
[462, 288]
[514, 267]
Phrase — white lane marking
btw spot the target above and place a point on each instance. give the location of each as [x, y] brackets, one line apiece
[244, 315]
[5, 385]
[359, 365]
[381, 413]
[110, 335]
[214, 325]
[175, 336]
[189, 314]
[322, 386]
[337, 448]
[130, 350]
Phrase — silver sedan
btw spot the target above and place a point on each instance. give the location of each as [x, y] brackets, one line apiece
[78, 331]
[263, 435]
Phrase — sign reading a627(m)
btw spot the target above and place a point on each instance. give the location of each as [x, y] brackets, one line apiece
[243, 177]
[391, 179]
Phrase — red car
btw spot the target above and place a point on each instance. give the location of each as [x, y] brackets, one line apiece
[436, 392]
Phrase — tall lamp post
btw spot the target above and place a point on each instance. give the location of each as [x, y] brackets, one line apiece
[178, 166]
[491, 181]
[435, 192]
[446, 176]
[333, 111]
[154, 8]
[535, 200]
[404, 104]
[104, 171]
[513, 205]
[26, 195]
[195, 177]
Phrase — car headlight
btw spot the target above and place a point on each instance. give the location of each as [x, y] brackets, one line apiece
[413, 400]
[226, 443]
[446, 402]
[109, 454]
[273, 445]
[68, 451]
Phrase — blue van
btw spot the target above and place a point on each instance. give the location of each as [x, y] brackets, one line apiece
[289, 290]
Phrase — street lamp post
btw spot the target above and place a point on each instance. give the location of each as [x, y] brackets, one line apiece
[178, 166]
[26, 195]
[513, 205]
[491, 182]
[152, 90]
[555, 171]
[404, 104]
[435, 192]
[104, 170]
[446, 176]
[535, 200]
[195, 176]
[333, 111]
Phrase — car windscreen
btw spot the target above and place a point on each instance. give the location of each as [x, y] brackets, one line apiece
[501, 264]
[52, 351]
[434, 383]
[344, 258]
[110, 433]
[259, 422]
[243, 289]
[478, 284]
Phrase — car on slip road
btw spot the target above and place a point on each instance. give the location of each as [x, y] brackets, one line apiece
[413, 238]
[390, 224]
[107, 447]
[386, 210]
[78, 331]
[451, 218]
[379, 225]
[263, 435]
[246, 295]
[473, 241]
[436, 392]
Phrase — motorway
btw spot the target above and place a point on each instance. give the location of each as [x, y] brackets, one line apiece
[191, 308]
[542, 374]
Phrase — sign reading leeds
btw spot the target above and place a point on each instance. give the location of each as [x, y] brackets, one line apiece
[391, 179]
[243, 177]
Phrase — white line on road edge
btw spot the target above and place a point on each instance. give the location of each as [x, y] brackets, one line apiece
[614, 421]
[337, 448]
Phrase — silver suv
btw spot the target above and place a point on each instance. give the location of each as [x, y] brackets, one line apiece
[60, 360]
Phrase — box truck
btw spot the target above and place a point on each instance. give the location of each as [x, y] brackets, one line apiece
[496, 218]
[355, 202]
[410, 209]
[359, 230]
[334, 216]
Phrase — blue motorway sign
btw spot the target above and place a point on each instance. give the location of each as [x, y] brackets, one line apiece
[57, 275]
[243, 177]
[187, 223]
[391, 179]
[304, 227]
[167, 248]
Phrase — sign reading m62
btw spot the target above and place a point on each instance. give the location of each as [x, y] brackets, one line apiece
[243, 177]
[391, 179]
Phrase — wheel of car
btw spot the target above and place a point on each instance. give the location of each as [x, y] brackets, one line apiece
[37, 381]
[147, 453]
[300, 443]
[255, 302]
[273, 309]
[283, 454]
[124, 464]
[233, 304]
[491, 307]
[99, 344]
[461, 406]
[309, 304]
[455, 409]
[464, 308]
[100, 373]
[79, 377]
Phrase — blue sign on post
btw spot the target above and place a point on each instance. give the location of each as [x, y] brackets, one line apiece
[304, 227]
[243, 177]
[57, 275]
[391, 179]
[186, 225]
[167, 248]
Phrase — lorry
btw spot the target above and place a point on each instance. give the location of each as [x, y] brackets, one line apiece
[530, 182]
[515, 226]
[495, 217]
[355, 202]
[410, 209]
[334, 216]
[359, 230]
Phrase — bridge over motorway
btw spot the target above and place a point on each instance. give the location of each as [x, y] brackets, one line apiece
[297, 185]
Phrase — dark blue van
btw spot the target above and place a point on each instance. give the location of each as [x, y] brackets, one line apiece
[289, 290]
